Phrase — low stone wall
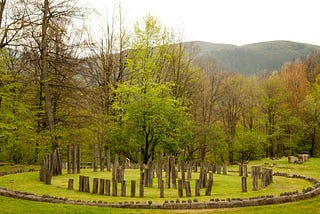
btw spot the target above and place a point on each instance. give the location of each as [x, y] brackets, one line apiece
[184, 204]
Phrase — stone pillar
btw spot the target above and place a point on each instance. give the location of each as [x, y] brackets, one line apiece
[188, 188]
[114, 188]
[70, 184]
[107, 186]
[133, 188]
[209, 186]
[197, 189]
[244, 184]
[291, 159]
[255, 171]
[141, 192]
[95, 186]
[180, 188]
[102, 188]
[123, 189]
[115, 168]
[161, 189]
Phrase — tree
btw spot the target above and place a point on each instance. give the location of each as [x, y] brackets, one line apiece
[53, 54]
[16, 116]
[295, 80]
[311, 116]
[234, 91]
[144, 103]
[105, 69]
[277, 115]
[204, 109]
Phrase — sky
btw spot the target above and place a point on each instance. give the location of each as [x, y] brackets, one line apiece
[235, 22]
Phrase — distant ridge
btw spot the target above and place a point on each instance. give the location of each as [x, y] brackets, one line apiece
[254, 58]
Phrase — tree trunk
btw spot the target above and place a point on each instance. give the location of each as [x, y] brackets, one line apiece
[44, 73]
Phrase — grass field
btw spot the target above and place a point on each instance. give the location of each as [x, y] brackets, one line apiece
[224, 187]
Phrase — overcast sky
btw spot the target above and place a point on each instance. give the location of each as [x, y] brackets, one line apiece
[228, 21]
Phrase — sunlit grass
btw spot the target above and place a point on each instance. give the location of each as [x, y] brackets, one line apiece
[225, 186]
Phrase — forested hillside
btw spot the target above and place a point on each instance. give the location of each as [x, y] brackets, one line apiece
[138, 95]
[255, 58]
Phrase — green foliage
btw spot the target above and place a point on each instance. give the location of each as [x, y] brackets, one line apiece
[250, 145]
[16, 127]
[152, 117]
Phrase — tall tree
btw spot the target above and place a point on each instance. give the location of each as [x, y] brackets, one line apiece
[231, 106]
[49, 21]
[144, 101]
[310, 113]
[277, 112]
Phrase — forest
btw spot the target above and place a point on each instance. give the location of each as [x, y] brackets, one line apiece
[139, 92]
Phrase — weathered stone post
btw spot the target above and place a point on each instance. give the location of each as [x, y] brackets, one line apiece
[101, 189]
[133, 188]
[203, 175]
[161, 189]
[70, 184]
[141, 192]
[188, 188]
[244, 184]
[123, 189]
[107, 183]
[115, 168]
[180, 188]
[86, 184]
[291, 159]
[209, 185]
[114, 188]
[255, 171]
[95, 185]
[197, 189]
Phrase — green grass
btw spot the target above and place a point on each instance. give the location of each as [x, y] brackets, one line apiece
[224, 187]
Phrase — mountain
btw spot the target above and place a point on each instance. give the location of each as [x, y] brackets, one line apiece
[254, 58]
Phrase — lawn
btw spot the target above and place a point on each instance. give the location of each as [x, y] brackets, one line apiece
[225, 186]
